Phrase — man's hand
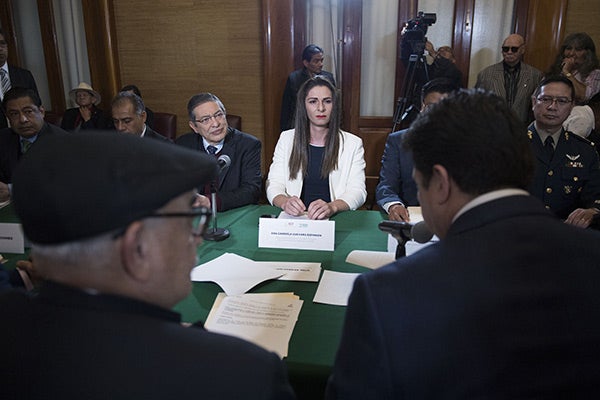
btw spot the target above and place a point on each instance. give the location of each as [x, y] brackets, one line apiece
[398, 212]
[582, 217]
[201, 201]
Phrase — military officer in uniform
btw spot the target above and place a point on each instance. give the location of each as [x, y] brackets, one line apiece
[567, 173]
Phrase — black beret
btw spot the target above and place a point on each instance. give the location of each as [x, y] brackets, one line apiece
[79, 185]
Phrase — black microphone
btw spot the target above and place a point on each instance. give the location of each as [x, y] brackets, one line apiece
[215, 233]
[419, 232]
[223, 162]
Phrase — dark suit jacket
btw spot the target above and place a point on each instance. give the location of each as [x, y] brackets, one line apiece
[70, 344]
[98, 120]
[571, 179]
[288, 102]
[150, 133]
[10, 148]
[19, 77]
[395, 177]
[241, 183]
[492, 79]
[506, 306]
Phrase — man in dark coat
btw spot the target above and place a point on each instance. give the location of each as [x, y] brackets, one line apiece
[16, 77]
[504, 306]
[240, 183]
[129, 116]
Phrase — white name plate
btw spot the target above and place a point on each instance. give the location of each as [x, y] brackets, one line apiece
[303, 234]
[11, 238]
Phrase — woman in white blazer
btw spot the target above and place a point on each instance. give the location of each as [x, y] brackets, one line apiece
[317, 168]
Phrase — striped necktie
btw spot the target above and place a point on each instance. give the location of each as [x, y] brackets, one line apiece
[5, 82]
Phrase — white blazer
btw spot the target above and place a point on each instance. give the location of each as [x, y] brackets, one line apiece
[346, 183]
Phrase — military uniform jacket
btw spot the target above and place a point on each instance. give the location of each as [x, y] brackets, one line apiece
[571, 179]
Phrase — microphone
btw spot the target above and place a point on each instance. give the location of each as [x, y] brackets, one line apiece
[217, 234]
[223, 162]
[418, 232]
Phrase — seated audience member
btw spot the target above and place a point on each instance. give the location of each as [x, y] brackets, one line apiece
[101, 325]
[577, 60]
[129, 116]
[312, 61]
[25, 112]
[317, 168]
[512, 79]
[149, 112]
[567, 172]
[239, 184]
[86, 115]
[396, 189]
[504, 306]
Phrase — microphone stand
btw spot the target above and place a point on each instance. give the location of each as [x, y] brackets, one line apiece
[401, 247]
[215, 234]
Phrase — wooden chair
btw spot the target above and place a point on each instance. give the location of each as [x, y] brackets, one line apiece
[165, 124]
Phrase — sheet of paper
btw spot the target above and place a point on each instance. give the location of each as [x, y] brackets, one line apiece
[11, 238]
[370, 259]
[294, 271]
[415, 214]
[335, 288]
[234, 273]
[265, 319]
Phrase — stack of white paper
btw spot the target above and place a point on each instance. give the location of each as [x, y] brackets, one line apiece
[265, 319]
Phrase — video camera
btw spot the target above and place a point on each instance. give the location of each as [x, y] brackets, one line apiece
[414, 34]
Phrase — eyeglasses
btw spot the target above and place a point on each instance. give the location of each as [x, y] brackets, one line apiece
[514, 49]
[200, 218]
[218, 116]
[548, 101]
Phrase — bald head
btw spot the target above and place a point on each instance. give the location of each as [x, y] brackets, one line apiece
[513, 49]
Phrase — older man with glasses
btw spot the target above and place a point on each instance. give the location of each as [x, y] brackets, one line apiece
[239, 184]
[567, 173]
[115, 232]
[512, 79]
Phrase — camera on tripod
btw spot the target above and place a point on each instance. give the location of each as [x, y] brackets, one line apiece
[413, 41]
[416, 75]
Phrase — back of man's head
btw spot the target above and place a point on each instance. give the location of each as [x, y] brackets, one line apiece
[100, 182]
[438, 85]
[476, 138]
[309, 51]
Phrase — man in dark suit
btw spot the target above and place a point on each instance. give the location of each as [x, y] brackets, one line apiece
[25, 112]
[129, 116]
[13, 76]
[567, 173]
[396, 189]
[504, 306]
[239, 184]
[116, 252]
[312, 59]
[512, 79]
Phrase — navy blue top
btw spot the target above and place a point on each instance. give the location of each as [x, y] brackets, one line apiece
[314, 186]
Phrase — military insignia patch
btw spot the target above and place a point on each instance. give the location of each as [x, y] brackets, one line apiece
[568, 189]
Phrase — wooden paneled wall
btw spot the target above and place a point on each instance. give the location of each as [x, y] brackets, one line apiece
[174, 49]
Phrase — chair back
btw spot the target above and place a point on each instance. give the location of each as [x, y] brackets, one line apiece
[165, 124]
[53, 118]
[234, 121]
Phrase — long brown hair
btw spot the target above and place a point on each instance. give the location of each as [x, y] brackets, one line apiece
[299, 156]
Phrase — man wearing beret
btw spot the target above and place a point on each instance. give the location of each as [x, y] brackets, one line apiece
[567, 173]
[25, 112]
[116, 254]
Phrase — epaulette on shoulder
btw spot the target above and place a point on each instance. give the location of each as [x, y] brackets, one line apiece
[580, 138]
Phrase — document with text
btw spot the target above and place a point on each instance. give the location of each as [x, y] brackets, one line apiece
[265, 319]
